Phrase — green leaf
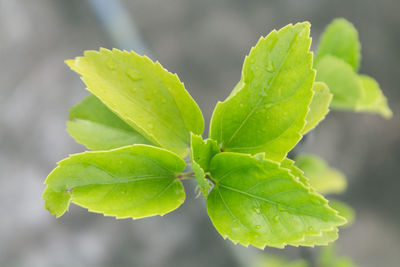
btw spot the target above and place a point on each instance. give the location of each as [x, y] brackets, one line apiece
[319, 106]
[57, 203]
[373, 99]
[337, 62]
[340, 39]
[203, 151]
[130, 182]
[146, 96]
[201, 154]
[322, 238]
[256, 201]
[267, 109]
[343, 82]
[344, 210]
[93, 125]
[323, 179]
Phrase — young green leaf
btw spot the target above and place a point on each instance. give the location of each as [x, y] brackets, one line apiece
[267, 109]
[322, 238]
[130, 182]
[57, 203]
[146, 96]
[340, 39]
[373, 99]
[255, 201]
[319, 106]
[203, 151]
[93, 125]
[322, 178]
[343, 82]
[201, 154]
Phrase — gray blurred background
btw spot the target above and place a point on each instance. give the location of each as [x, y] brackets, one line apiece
[205, 43]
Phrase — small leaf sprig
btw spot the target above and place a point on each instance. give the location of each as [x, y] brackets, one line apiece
[337, 63]
[141, 124]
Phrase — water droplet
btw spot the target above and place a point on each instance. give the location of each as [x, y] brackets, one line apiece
[85, 165]
[316, 201]
[267, 106]
[257, 210]
[111, 65]
[281, 208]
[241, 105]
[133, 75]
[275, 218]
[150, 126]
[310, 228]
[270, 66]
[258, 226]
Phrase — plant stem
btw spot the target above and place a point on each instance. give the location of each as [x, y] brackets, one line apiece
[185, 175]
[210, 179]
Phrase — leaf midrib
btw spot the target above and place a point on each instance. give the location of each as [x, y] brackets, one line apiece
[126, 180]
[262, 98]
[301, 212]
[95, 76]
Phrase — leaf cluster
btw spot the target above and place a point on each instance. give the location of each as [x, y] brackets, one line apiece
[337, 63]
[142, 124]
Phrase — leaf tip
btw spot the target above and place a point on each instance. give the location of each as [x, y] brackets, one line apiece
[70, 63]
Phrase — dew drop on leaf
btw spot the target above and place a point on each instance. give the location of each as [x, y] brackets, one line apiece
[257, 210]
[270, 66]
[85, 165]
[256, 235]
[275, 218]
[111, 65]
[258, 226]
[317, 202]
[133, 75]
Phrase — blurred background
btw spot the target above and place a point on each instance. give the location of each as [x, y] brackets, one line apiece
[205, 42]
